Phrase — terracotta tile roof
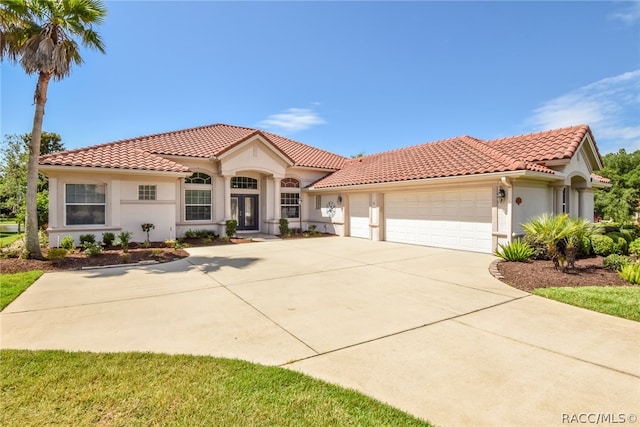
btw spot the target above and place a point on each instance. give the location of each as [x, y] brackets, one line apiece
[600, 178]
[113, 156]
[201, 142]
[450, 157]
[548, 145]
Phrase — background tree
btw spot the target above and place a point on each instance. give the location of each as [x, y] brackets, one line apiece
[41, 36]
[622, 200]
[13, 175]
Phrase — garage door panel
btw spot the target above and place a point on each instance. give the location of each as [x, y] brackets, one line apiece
[359, 215]
[457, 220]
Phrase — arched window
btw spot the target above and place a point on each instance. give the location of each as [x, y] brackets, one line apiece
[197, 197]
[244, 182]
[198, 178]
[290, 183]
[290, 198]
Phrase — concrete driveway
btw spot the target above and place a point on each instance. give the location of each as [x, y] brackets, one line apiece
[427, 330]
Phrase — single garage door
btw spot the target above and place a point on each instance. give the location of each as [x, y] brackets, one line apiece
[359, 215]
[444, 219]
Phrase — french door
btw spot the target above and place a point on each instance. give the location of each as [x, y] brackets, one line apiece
[244, 209]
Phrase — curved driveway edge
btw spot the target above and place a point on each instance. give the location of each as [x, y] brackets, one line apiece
[427, 330]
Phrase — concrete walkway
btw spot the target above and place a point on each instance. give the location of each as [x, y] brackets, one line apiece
[426, 330]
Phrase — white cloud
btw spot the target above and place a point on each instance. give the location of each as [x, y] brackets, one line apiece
[610, 106]
[629, 15]
[292, 120]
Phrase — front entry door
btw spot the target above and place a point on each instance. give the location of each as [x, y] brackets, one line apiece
[244, 209]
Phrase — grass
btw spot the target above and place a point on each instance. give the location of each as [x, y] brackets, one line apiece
[129, 389]
[12, 285]
[621, 301]
[8, 237]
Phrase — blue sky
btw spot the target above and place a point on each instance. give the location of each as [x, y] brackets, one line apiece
[349, 77]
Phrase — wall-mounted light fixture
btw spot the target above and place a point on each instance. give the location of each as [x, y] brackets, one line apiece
[339, 199]
[500, 195]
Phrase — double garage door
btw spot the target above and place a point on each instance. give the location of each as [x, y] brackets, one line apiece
[445, 219]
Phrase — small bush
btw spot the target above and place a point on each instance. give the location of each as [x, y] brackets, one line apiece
[170, 243]
[92, 248]
[123, 240]
[87, 238]
[631, 273]
[620, 245]
[585, 246]
[231, 227]
[156, 252]
[517, 251]
[284, 227]
[124, 257]
[67, 243]
[189, 234]
[634, 248]
[602, 245]
[312, 230]
[56, 254]
[628, 234]
[615, 262]
[108, 238]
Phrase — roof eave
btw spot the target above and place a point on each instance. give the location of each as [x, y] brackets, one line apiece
[484, 177]
[95, 169]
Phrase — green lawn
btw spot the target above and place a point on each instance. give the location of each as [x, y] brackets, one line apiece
[6, 237]
[621, 301]
[131, 389]
[12, 285]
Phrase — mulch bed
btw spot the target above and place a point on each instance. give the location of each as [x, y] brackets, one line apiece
[157, 251]
[542, 274]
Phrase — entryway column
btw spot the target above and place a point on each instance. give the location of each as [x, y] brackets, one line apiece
[227, 198]
[276, 197]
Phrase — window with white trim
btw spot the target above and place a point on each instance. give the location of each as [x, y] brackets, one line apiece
[197, 197]
[85, 204]
[290, 198]
[318, 201]
[147, 192]
[244, 182]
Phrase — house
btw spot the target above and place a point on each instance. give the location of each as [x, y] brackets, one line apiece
[460, 193]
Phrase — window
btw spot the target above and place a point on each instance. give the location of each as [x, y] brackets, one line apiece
[146, 192]
[85, 204]
[318, 201]
[289, 205]
[244, 182]
[198, 178]
[290, 183]
[197, 204]
[197, 197]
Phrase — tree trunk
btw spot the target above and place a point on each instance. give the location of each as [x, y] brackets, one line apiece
[32, 242]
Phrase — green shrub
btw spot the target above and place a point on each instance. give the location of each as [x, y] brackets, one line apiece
[628, 234]
[517, 251]
[124, 257]
[615, 262]
[189, 234]
[284, 227]
[231, 227]
[620, 245]
[312, 230]
[56, 254]
[634, 248]
[108, 238]
[92, 248]
[123, 240]
[87, 238]
[585, 246]
[602, 245]
[67, 243]
[631, 273]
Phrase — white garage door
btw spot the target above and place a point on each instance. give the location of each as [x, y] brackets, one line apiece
[444, 219]
[359, 215]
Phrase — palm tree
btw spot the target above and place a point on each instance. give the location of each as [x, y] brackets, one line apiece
[41, 36]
